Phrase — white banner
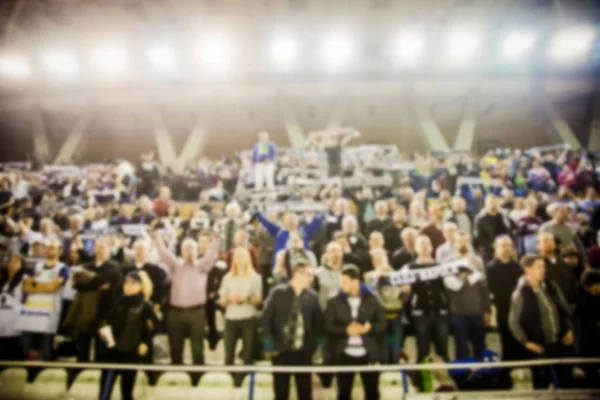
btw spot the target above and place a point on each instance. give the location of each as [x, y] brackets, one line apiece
[408, 277]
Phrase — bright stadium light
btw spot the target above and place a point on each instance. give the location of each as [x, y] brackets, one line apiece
[162, 57]
[60, 64]
[111, 60]
[461, 47]
[408, 47]
[216, 53]
[337, 51]
[572, 45]
[14, 67]
[284, 51]
[517, 45]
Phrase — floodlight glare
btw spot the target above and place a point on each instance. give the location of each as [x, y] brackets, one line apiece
[462, 46]
[337, 51]
[408, 47]
[15, 67]
[516, 45]
[60, 64]
[161, 57]
[572, 45]
[110, 60]
[216, 53]
[284, 51]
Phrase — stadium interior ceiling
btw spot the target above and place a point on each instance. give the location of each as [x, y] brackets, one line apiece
[429, 106]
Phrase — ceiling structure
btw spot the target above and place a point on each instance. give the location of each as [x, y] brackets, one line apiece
[426, 110]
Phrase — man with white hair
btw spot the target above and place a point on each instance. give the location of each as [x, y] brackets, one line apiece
[144, 214]
[382, 219]
[356, 240]
[264, 155]
[186, 316]
[448, 249]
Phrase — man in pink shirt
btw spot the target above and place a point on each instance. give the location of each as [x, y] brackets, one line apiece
[186, 316]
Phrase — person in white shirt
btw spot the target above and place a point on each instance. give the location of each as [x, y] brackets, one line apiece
[448, 249]
[40, 315]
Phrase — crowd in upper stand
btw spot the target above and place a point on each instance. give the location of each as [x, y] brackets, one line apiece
[331, 254]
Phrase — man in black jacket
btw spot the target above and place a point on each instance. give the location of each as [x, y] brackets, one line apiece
[354, 323]
[503, 274]
[157, 275]
[292, 320]
[107, 281]
[540, 320]
[489, 224]
[392, 233]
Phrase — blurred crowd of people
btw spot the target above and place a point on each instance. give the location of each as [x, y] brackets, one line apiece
[305, 269]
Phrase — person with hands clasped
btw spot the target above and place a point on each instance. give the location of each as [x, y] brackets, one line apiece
[127, 333]
[540, 320]
[354, 323]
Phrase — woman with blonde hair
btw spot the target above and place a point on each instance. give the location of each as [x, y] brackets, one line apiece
[239, 295]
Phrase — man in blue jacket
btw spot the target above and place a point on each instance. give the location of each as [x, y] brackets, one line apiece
[290, 224]
[264, 155]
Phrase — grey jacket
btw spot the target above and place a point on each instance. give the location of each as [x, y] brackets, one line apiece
[471, 296]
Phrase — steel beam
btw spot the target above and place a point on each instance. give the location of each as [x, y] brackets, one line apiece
[41, 145]
[466, 129]
[72, 145]
[162, 138]
[594, 139]
[196, 140]
[293, 129]
[429, 129]
[338, 110]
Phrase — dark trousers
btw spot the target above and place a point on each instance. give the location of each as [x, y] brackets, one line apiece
[468, 328]
[561, 375]
[11, 349]
[345, 380]
[42, 343]
[84, 346]
[239, 329]
[181, 324]
[281, 381]
[109, 376]
[428, 327]
[211, 322]
[392, 341]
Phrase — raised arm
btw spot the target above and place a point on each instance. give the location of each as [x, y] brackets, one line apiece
[314, 226]
[208, 261]
[269, 226]
[165, 255]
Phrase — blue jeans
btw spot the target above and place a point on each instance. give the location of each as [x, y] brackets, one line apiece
[468, 328]
[428, 328]
[41, 342]
[392, 340]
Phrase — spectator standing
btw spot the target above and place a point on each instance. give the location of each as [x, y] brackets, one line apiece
[503, 274]
[407, 253]
[559, 227]
[354, 323]
[131, 324]
[264, 155]
[11, 298]
[290, 224]
[357, 241]
[232, 225]
[460, 217]
[556, 269]
[266, 247]
[540, 320]
[433, 230]
[429, 305]
[382, 220]
[528, 227]
[160, 206]
[588, 314]
[98, 286]
[327, 276]
[292, 321]
[489, 224]
[40, 315]
[240, 294]
[469, 301]
[186, 317]
[144, 214]
[392, 233]
[448, 249]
